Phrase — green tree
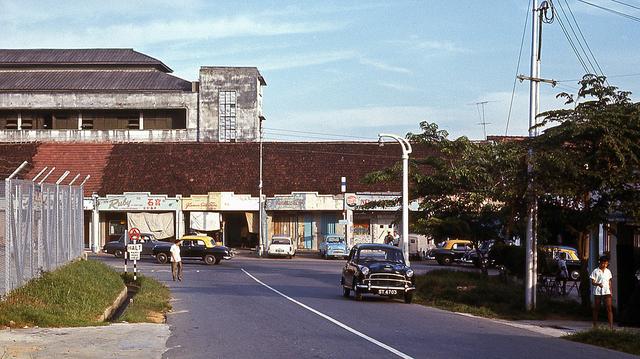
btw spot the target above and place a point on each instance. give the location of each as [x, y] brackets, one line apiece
[587, 164]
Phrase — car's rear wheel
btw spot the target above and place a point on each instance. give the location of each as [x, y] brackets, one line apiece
[445, 260]
[325, 256]
[209, 259]
[408, 297]
[162, 258]
[119, 253]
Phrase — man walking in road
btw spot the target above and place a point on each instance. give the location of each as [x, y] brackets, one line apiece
[601, 281]
[176, 260]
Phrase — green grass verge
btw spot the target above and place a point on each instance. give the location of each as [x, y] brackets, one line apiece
[73, 295]
[471, 292]
[622, 340]
[149, 304]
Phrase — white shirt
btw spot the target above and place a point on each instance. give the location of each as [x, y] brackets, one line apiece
[175, 253]
[601, 277]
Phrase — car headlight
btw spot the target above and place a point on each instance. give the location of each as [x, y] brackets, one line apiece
[409, 273]
[365, 271]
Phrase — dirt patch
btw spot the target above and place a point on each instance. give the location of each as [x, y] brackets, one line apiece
[156, 317]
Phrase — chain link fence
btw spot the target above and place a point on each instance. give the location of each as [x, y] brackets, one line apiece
[41, 228]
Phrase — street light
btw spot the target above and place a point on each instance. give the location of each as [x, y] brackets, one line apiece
[406, 150]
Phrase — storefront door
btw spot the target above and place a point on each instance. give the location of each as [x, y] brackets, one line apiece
[308, 232]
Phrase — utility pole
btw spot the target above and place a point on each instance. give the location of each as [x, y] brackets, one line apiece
[539, 16]
[261, 242]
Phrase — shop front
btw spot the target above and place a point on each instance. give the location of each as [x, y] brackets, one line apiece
[156, 214]
[306, 217]
[230, 218]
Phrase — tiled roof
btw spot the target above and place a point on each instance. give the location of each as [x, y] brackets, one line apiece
[77, 57]
[33, 81]
[77, 158]
[199, 168]
[12, 155]
[287, 167]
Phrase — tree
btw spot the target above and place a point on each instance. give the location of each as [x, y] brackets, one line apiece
[470, 191]
[587, 164]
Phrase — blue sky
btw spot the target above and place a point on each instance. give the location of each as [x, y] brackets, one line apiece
[350, 69]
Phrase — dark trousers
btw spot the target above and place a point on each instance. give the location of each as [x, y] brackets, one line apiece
[176, 270]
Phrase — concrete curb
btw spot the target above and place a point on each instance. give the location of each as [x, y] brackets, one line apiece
[113, 307]
[540, 329]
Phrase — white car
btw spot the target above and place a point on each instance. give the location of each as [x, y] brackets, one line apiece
[281, 246]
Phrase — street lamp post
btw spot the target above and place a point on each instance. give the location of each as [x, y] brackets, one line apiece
[406, 150]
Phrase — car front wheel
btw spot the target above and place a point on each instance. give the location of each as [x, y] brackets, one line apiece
[357, 295]
[162, 258]
[119, 253]
[408, 297]
[444, 260]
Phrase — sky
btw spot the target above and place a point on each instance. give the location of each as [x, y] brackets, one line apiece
[348, 70]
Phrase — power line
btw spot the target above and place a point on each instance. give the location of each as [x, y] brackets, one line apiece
[317, 133]
[592, 69]
[620, 13]
[515, 77]
[625, 4]
[573, 46]
[610, 77]
[584, 38]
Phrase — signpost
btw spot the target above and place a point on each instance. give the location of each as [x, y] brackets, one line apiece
[134, 250]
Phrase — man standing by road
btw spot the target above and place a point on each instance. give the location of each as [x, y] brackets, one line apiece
[388, 239]
[601, 280]
[176, 260]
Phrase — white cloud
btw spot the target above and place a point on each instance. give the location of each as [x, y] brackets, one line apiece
[301, 60]
[384, 67]
[144, 34]
[435, 46]
[399, 87]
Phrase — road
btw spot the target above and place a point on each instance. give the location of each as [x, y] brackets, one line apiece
[281, 308]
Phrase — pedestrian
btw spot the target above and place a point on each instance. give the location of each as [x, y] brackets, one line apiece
[388, 239]
[396, 239]
[563, 273]
[176, 260]
[601, 281]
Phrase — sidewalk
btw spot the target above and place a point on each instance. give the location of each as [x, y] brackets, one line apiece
[127, 341]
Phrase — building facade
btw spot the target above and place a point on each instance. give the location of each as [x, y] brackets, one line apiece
[121, 95]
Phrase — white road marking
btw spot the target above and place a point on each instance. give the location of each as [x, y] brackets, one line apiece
[178, 312]
[340, 324]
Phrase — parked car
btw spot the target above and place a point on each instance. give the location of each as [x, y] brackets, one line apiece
[201, 247]
[419, 246]
[571, 255]
[333, 245]
[118, 248]
[281, 246]
[377, 269]
[473, 256]
[452, 250]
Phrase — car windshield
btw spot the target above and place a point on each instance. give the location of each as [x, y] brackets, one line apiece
[380, 255]
[280, 241]
[335, 240]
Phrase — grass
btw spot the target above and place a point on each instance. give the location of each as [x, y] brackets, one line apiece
[473, 293]
[150, 302]
[73, 295]
[623, 340]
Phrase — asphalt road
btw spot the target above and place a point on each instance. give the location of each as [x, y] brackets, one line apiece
[281, 308]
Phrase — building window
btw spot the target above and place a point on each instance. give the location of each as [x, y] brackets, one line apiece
[361, 227]
[227, 116]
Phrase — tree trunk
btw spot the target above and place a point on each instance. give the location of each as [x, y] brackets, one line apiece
[585, 283]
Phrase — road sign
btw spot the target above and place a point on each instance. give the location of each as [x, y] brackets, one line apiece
[134, 256]
[134, 234]
[134, 247]
[343, 222]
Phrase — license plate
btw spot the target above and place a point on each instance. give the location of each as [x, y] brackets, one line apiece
[280, 250]
[387, 292]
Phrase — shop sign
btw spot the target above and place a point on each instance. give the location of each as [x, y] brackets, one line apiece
[137, 201]
[220, 201]
[294, 202]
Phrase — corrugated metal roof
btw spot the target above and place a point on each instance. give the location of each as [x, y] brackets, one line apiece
[79, 57]
[52, 81]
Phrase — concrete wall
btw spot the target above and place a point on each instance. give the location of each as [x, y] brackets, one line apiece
[246, 82]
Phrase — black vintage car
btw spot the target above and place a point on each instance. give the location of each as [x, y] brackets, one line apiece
[200, 248]
[119, 248]
[377, 269]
